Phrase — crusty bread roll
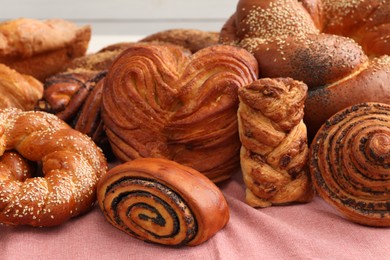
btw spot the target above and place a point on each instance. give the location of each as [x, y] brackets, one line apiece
[41, 48]
[324, 43]
[18, 90]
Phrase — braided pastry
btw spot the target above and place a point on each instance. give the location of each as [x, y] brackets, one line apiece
[327, 44]
[274, 150]
[349, 163]
[159, 102]
[71, 167]
[41, 48]
[163, 202]
[18, 90]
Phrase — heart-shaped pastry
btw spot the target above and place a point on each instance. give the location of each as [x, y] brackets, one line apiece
[160, 102]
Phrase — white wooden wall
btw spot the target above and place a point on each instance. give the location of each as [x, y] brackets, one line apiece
[126, 17]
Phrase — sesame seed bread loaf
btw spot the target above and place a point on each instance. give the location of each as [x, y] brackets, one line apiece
[325, 44]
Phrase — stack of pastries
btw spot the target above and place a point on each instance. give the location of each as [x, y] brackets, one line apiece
[185, 109]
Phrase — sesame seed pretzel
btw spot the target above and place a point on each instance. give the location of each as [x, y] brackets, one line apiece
[71, 167]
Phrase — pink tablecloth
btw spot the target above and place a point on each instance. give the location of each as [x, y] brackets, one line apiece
[308, 231]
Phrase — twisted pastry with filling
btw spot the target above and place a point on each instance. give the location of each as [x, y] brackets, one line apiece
[274, 150]
[161, 201]
[336, 47]
[160, 102]
[76, 98]
[71, 167]
[349, 163]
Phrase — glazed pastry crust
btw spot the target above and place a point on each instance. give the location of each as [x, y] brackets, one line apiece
[190, 208]
[333, 46]
[71, 167]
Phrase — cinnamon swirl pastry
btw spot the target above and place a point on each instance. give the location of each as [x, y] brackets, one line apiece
[160, 102]
[161, 201]
[274, 150]
[349, 163]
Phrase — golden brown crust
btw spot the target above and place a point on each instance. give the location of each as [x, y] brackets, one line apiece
[274, 150]
[41, 48]
[76, 98]
[317, 60]
[59, 91]
[323, 43]
[99, 61]
[191, 39]
[370, 84]
[349, 163]
[159, 102]
[190, 208]
[71, 167]
[18, 90]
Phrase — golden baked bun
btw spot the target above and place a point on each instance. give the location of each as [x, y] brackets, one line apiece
[349, 163]
[274, 150]
[160, 102]
[41, 48]
[71, 168]
[191, 39]
[324, 43]
[161, 201]
[18, 90]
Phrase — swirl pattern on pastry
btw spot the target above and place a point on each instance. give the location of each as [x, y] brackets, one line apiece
[159, 102]
[349, 163]
[161, 201]
[274, 150]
